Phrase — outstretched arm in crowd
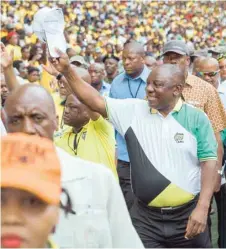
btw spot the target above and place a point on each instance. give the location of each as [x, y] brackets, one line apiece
[7, 66]
[85, 92]
[52, 71]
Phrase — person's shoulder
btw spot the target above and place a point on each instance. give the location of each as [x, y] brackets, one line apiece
[118, 78]
[193, 112]
[200, 83]
[75, 167]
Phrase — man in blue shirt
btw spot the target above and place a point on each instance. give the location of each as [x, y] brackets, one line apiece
[96, 71]
[129, 84]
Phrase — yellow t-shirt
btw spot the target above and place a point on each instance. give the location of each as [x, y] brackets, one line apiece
[59, 104]
[16, 51]
[95, 143]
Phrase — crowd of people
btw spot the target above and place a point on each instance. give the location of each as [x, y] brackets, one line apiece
[128, 126]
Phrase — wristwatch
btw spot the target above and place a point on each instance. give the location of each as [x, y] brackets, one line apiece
[59, 76]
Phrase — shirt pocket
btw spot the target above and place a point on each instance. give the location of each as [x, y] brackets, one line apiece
[94, 226]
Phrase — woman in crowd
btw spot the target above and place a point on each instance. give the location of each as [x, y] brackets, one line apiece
[30, 192]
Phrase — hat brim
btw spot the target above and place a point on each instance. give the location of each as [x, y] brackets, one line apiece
[31, 182]
[174, 51]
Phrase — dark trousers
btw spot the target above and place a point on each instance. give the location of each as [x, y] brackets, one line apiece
[220, 198]
[123, 169]
[166, 228]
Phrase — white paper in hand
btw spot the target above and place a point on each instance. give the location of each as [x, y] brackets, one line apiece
[37, 24]
[54, 31]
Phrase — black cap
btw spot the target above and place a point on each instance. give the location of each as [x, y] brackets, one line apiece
[176, 46]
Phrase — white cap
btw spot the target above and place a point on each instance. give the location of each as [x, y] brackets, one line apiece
[48, 25]
[37, 24]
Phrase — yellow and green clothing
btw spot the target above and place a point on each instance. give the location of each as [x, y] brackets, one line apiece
[95, 143]
[59, 105]
[16, 51]
[165, 152]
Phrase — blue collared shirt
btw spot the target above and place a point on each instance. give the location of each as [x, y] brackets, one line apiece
[124, 87]
[105, 89]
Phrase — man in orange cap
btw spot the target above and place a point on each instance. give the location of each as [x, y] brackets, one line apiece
[30, 191]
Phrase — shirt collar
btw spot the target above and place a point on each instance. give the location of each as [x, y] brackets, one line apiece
[103, 87]
[176, 108]
[144, 75]
[189, 81]
[84, 129]
[51, 244]
[221, 89]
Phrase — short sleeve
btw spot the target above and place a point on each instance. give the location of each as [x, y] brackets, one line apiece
[223, 136]
[103, 126]
[215, 111]
[207, 144]
[120, 113]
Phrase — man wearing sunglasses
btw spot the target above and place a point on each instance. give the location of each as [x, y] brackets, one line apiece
[207, 68]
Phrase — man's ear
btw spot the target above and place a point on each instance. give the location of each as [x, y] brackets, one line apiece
[178, 90]
[56, 122]
[188, 61]
[143, 58]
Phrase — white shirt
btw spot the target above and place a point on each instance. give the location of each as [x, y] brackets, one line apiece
[222, 93]
[3, 130]
[101, 219]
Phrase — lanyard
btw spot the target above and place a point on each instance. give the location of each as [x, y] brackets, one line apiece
[75, 144]
[134, 96]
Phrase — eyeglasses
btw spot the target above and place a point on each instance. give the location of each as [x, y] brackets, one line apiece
[221, 56]
[210, 74]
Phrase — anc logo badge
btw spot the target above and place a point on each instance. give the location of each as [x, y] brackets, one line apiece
[179, 137]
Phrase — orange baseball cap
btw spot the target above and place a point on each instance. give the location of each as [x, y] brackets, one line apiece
[31, 163]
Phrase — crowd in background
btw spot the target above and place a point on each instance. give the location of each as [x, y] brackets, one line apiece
[107, 25]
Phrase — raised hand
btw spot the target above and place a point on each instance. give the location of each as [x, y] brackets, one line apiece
[6, 58]
[62, 63]
[50, 69]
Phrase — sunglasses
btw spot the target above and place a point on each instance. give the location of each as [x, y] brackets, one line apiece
[210, 74]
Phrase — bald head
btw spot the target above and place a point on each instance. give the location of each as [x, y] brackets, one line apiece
[205, 62]
[135, 47]
[172, 72]
[207, 68]
[30, 109]
[150, 62]
[164, 87]
[83, 73]
[98, 66]
[31, 91]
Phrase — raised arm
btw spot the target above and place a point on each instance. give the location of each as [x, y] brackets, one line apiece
[52, 71]
[7, 66]
[85, 92]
